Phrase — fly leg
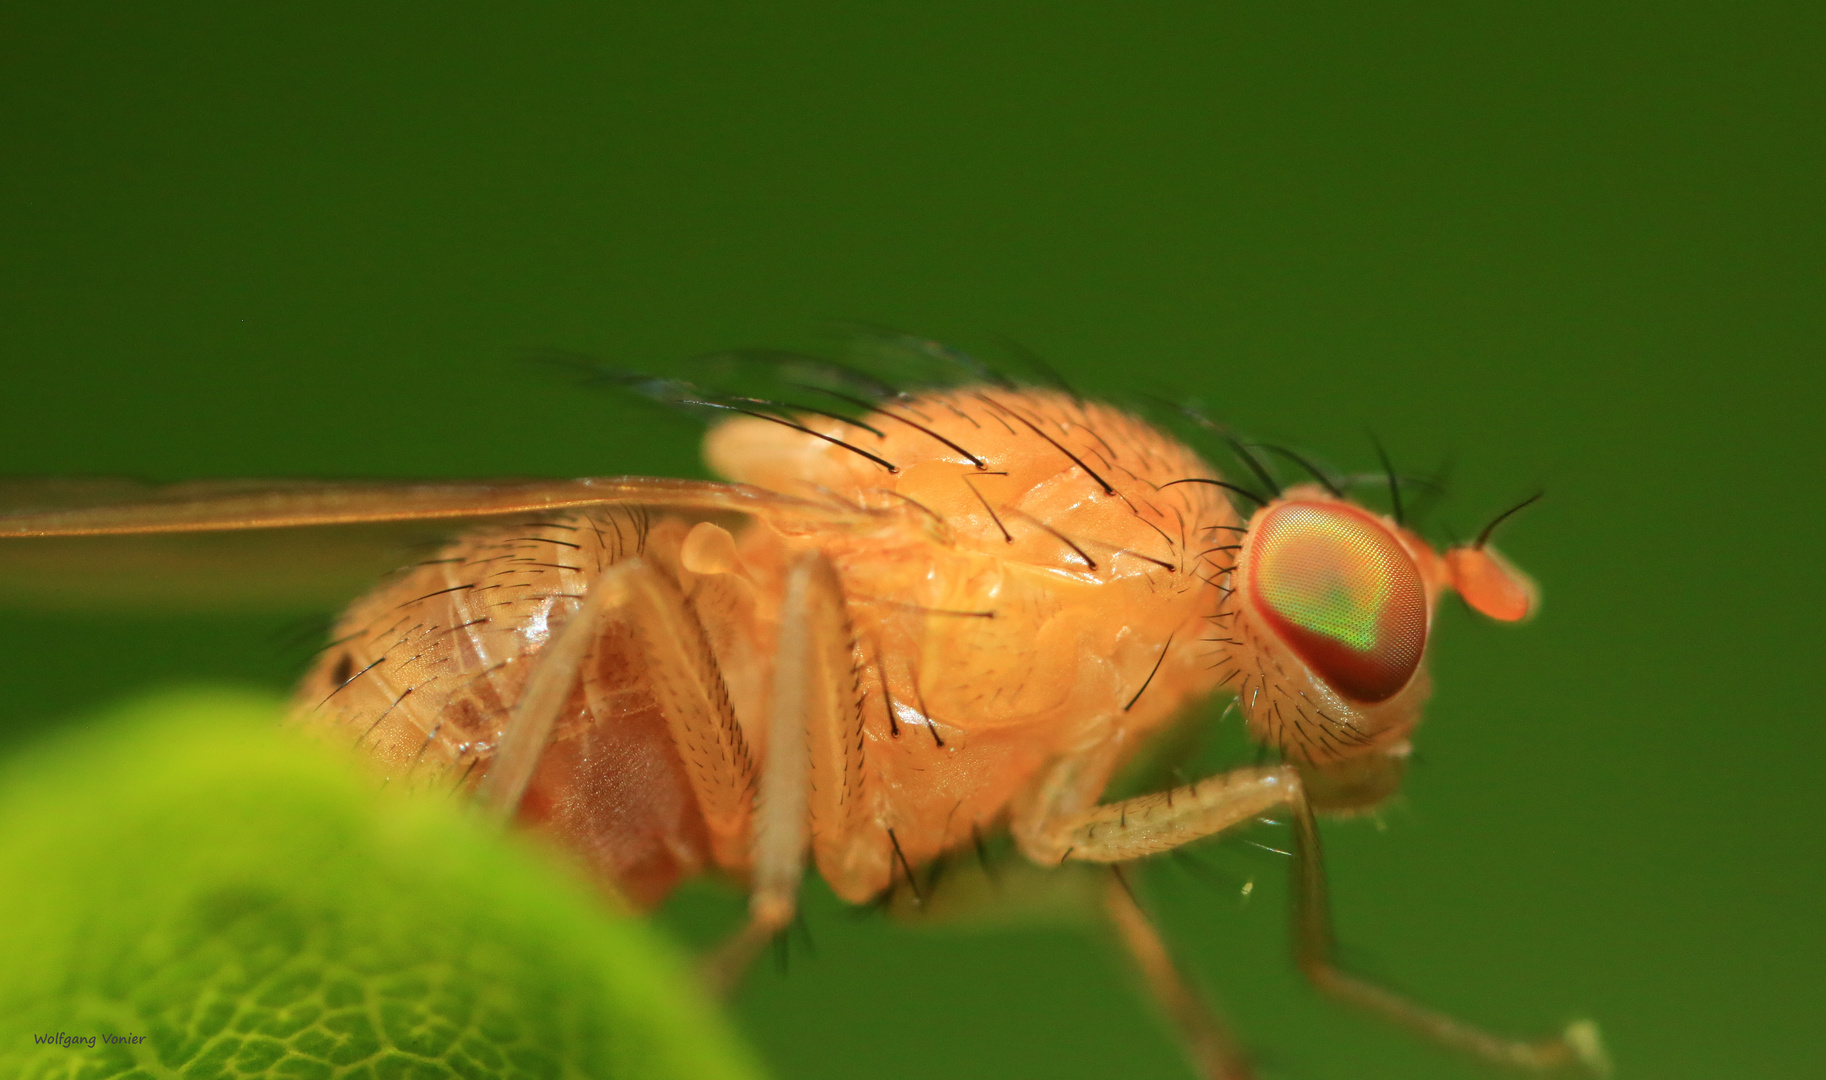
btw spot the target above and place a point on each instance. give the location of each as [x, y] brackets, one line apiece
[682, 675]
[811, 787]
[1056, 825]
[555, 670]
[683, 678]
[1578, 1047]
[1213, 1048]
[1051, 830]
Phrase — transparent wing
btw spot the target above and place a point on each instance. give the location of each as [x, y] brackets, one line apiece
[287, 545]
[117, 508]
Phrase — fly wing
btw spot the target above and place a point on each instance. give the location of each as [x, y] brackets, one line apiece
[288, 545]
[114, 508]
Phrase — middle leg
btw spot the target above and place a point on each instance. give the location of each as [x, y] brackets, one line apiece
[1214, 1051]
[812, 789]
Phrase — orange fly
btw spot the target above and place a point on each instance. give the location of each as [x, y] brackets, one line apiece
[888, 634]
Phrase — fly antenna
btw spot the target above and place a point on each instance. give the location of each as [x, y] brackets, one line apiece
[1484, 537]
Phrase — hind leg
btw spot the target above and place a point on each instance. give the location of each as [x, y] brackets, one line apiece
[682, 675]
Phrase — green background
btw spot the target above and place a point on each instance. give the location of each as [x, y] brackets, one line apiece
[1574, 246]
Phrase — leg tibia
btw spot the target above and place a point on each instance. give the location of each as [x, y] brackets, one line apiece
[849, 842]
[811, 784]
[1213, 1049]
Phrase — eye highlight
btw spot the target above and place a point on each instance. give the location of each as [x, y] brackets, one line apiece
[1342, 593]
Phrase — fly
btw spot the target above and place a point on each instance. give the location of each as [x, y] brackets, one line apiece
[681, 677]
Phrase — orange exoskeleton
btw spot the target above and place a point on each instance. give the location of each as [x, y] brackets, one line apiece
[888, 634]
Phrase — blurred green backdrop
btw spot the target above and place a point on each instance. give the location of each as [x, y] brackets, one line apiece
[1574, 246]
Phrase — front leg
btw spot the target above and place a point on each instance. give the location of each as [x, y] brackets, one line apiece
[1053, 828]
[1578, 1047]
[1062, 819]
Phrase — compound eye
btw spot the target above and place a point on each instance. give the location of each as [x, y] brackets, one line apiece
[1343, 594]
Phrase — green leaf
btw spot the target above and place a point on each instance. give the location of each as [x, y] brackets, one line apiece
[243, 904]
